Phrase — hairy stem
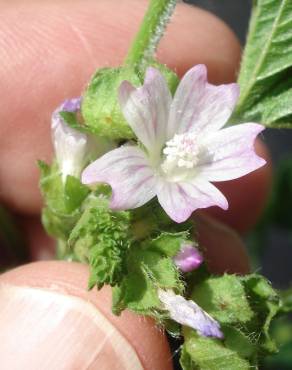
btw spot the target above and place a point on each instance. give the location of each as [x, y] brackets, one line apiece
[151, 31]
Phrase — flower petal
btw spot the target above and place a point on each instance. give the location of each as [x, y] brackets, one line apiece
[72, 105]
[180, 200]
[188, 258]
[71, 146]
[127, 171]
[199, 106]
[147, 108]
[188, 313]
[230, 153]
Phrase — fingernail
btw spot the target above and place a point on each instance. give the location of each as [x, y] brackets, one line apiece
[48, 330]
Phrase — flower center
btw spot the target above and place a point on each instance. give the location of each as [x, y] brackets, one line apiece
[180, 154]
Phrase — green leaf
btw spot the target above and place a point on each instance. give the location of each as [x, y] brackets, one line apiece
[203, 353]
[139, 293]
[266, 303]
[168, 244]
[244, 307]
[149, 266]
[101, 238]
[277, 108]
[224, 299]
[265, 76]
[237, 341]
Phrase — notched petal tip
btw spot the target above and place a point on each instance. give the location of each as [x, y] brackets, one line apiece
[152, 73]
[199, 70]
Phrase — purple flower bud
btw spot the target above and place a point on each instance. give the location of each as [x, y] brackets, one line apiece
[71, 105]
[188, 313]
[188, 258]
[71, 146]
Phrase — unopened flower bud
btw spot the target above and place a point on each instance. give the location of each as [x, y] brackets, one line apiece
[188, 258]
[71, 146]
[100, 108]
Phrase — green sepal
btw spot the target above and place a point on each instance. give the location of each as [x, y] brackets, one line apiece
[62, 201]
[74, 193]
[71, 119]
[101, 238]
[58, 225]
[61, 198]
[150, 220]
[100, 108]
[150, 266]
[201, 353]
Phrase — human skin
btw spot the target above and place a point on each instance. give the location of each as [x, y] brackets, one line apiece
[48, 51]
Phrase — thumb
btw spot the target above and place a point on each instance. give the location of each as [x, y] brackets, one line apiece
[50, 321]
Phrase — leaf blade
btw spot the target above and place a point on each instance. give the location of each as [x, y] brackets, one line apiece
[266, 66]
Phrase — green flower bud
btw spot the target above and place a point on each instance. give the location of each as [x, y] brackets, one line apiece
[100, 107]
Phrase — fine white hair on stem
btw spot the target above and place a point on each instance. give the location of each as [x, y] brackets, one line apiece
[159, 30]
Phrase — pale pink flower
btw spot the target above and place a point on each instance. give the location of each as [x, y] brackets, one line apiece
[183, 146]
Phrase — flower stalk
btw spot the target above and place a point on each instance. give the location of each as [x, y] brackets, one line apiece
[151, 31]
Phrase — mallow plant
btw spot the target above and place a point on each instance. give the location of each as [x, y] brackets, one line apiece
[140, 147]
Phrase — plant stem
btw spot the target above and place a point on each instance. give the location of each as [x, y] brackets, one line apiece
[151, 31]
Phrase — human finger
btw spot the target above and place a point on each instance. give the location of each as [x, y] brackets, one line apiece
[51, 321]
[50, 49]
